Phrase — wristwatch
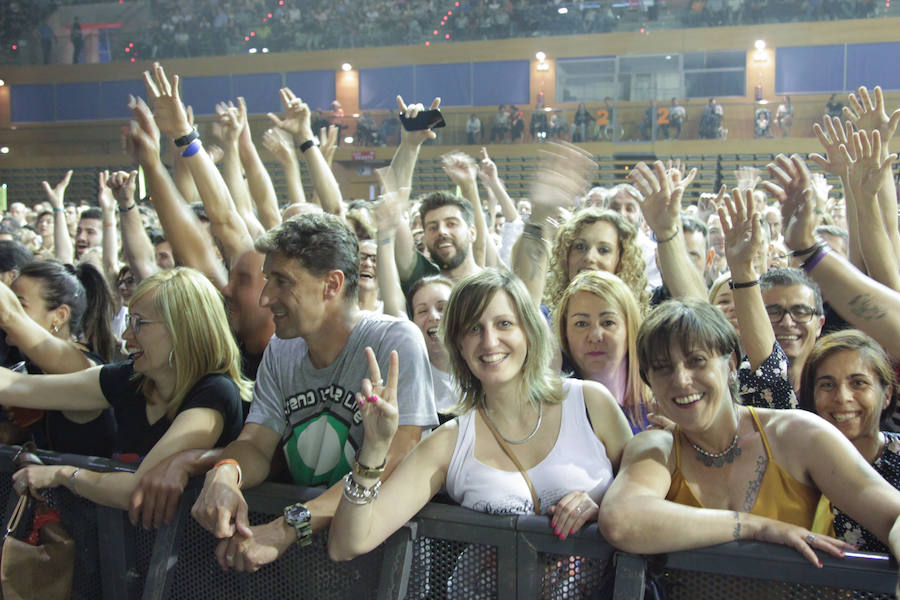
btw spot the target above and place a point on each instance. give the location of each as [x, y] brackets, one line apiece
[186, 139]
[298, 516]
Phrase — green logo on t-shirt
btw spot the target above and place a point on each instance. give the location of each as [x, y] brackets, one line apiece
[319, 451]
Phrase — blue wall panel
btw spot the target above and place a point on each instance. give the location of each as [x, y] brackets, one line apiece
[378, 88]
[503, 82]
[77, 101]
[260, 90]
[31, 103]
[202, 93]
[451, 82]
[809, 69]
[873, 64]
[114, 98]
[316, 88]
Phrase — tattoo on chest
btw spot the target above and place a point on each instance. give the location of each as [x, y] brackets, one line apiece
[865, 307]
[753, 489]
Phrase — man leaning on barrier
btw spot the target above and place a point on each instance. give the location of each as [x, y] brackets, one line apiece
[304, 398]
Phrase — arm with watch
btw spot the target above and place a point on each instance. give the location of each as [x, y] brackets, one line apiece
[296, 121]
[135, 242]
[171, 117]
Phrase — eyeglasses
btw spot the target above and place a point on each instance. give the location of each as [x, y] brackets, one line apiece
[126, 281]
[800, 313]
[136, 322]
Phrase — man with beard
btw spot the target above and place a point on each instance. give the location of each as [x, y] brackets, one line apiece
[449, 226]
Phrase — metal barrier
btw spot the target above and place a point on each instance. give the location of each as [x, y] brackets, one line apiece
[444, 552]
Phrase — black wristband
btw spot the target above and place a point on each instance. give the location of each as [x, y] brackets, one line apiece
[127, 208]
[741, 285]
[186, 139]
[806, 251]
[308, 144]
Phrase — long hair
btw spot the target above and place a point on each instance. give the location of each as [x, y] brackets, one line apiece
[610, 288]
[539, 383]
[631, 268]
[84, 290]
[856, 341]
[194, 315]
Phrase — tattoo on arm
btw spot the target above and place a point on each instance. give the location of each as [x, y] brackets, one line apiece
[864, 306]
[737, 526]
[753, 490]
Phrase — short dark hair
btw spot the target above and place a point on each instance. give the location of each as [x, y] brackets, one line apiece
[13, 256]
[833, 230]
[789, 276]
[691, 224]
[92, 213]
[156, 236]
[437, 200]
[320, 242]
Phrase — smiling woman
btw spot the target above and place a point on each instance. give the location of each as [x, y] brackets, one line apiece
[181, 389]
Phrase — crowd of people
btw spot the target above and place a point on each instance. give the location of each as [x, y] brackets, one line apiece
[612, 355]
[227, 27]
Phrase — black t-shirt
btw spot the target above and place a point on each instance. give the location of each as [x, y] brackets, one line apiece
[136, 435]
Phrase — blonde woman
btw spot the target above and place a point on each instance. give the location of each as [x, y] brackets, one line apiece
[180, 389]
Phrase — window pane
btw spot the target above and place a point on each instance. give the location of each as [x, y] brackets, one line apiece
[715, 83]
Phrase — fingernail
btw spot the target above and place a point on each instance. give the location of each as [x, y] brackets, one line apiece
[553, 524]
[556, 530]
[571, 531]
[820, 564]
[842, 554]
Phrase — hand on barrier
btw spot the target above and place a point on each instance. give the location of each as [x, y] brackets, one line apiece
[221, 508]
[801, 540]
[154, 500]
[571, 513]
[36, 478]
[248, 554]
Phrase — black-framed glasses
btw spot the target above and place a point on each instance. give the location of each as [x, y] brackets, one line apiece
[136, 322]
[800, 313]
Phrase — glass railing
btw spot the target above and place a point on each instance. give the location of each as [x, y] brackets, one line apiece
[286, 26]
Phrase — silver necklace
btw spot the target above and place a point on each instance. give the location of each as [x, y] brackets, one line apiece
[717, 459]
[526, 438]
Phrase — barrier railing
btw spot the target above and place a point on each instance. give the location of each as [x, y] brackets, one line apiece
[444, 552]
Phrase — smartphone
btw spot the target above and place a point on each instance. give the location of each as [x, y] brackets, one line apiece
[426, 119]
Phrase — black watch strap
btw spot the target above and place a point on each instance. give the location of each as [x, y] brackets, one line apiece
[308, 144]
[186, 139]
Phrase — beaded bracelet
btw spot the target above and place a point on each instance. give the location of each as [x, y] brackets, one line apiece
[358, 494]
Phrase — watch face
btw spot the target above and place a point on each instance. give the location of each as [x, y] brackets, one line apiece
[296, 513]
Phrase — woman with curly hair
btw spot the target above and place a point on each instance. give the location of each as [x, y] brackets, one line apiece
[596, 240]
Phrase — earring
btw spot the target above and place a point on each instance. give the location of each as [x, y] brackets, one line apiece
[55, 328]
[172, 357]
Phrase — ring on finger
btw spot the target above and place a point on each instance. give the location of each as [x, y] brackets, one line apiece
[810, 538]
[379, 382]
[229, 558]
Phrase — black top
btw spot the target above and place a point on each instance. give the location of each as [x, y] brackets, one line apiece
[136, 435]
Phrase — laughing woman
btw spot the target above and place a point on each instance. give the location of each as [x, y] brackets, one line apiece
[181, 389]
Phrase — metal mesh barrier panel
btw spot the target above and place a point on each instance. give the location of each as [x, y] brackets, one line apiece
[691, 585]
[568, 577]
[299, 573]
[452, 570]
[79, 518]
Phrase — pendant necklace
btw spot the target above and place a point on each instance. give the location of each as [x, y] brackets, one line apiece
[717, 459]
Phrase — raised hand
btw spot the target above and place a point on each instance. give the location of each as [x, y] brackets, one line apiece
[866, 167]
[747, 178]
[165, 98]
[142, 135]
[870, 114]
[662, 193]
[122, 184]
[57, 194]
[328, 140]
[232, 120]
[416, 138]
[565, 172]
[832, 136]
[461, 169]
[378, 407]
[794, 190]
[280, 144]
[487, 170]
[742, 228]
[105, 198]
[296, 119]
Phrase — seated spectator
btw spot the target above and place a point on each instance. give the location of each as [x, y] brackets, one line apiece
[582, 124]
[500, 352]
[849, 381]
[181, 389]
[366, 130]
[784, 116]
[473, 130]
[538, 127]
[677, 117]
[501, 125]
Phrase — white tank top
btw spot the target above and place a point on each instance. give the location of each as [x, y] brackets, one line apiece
[577, 461]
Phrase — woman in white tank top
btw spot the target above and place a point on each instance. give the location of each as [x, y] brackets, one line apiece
[568, 436]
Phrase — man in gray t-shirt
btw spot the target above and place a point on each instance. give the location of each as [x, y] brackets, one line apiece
[305, 395]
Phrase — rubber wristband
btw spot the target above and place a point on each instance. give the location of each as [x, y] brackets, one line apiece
[186, 139]
[56, 209]
[809, 250]
[744, 284]
[192, 149]
[126, 209]
[231, 461]
[815, 259]
[308, 144]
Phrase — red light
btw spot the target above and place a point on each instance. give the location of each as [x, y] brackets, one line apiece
[131, 45]
[456, 4]
[449, 13]
[427, 43]
[435, 32]
[253, 33]
[127, 49]
[15, 47]
[264, 19]
[246, 38]
[643, 30]
[132, 59]
[442, 23]
[280, 2]
[447, 36]
[269, 15]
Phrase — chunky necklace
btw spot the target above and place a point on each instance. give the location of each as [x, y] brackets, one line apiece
[717, 459]
[526, 438]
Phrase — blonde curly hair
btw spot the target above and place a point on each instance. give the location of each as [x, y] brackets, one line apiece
[631, 268]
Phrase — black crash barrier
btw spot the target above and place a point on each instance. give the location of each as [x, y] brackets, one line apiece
[444, 552]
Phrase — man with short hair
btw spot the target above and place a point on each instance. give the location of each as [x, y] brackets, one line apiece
[696, 241]
[90, 231]
[13, 256]
[305, 397]
[623, 199]
[18, 212]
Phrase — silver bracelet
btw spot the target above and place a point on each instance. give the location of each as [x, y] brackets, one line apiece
[358, 494]
[72, 481]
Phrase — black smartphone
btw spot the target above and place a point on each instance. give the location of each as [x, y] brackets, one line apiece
[426, 119]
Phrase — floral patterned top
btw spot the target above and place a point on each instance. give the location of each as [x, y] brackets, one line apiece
[768, 386]
[888, 466]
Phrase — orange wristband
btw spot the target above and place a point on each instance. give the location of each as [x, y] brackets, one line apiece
[231, 461]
